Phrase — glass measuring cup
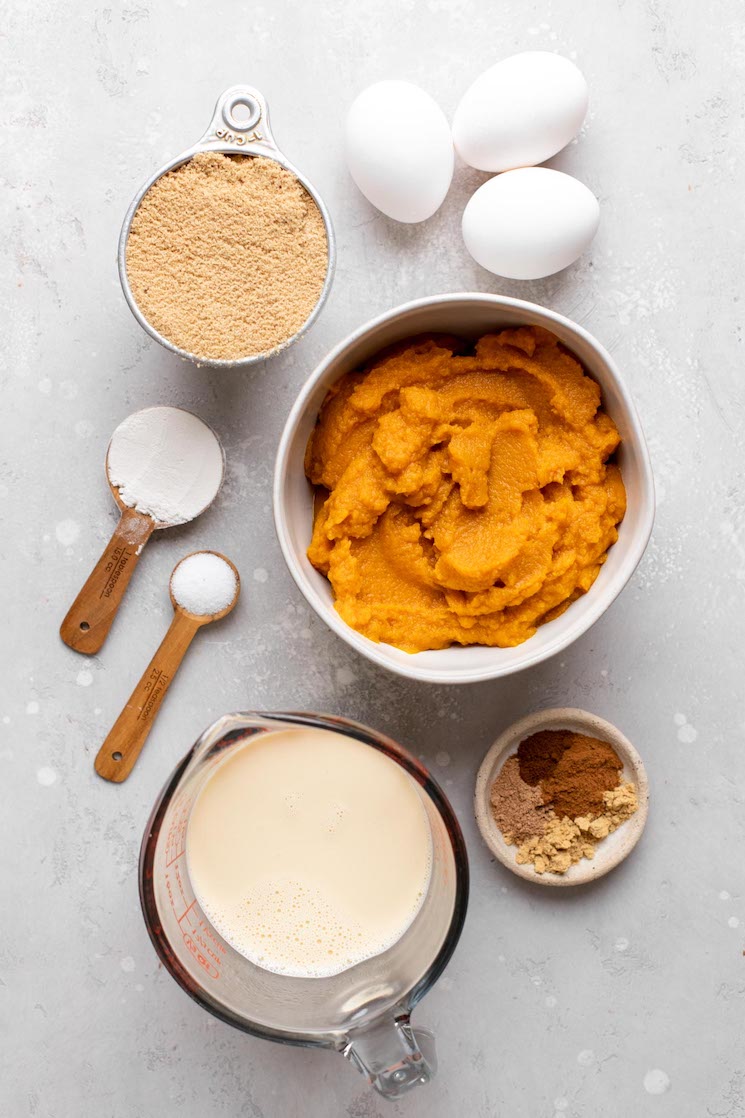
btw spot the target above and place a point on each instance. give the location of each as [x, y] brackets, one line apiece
[364, 1012]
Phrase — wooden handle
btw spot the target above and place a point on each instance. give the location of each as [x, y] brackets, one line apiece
[92, 613]
[116, 757]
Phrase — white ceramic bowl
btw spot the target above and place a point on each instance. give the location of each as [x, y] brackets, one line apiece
[611, 850]
[467, 315]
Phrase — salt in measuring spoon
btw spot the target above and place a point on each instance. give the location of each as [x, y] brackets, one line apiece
[195, 584]
[164, 467]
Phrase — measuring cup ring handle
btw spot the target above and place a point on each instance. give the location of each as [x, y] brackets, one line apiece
[240, 131]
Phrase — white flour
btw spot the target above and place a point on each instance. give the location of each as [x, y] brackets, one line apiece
[166, 463]
[204, 583]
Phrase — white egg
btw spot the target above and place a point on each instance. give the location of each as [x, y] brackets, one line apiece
[530, 223]
[520, 112]
[399, 150]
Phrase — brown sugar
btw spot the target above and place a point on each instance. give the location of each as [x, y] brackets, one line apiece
[227, 256]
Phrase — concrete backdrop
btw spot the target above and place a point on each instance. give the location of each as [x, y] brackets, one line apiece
[624, 999]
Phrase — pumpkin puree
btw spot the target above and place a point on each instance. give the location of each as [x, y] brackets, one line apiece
[469, 497]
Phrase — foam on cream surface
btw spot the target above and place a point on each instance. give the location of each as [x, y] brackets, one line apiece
[309, 852]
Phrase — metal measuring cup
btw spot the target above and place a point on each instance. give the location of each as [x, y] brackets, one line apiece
[231, 136]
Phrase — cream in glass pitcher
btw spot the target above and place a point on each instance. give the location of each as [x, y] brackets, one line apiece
[309, 852]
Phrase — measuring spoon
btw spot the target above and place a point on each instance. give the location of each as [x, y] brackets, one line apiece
[116, 757]
[164, 443]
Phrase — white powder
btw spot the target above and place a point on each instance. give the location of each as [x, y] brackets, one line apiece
[204, 583]
[166, 463]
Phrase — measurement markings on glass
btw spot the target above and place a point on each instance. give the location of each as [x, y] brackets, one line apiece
[176, 840]
[184, 914]
[198, 936]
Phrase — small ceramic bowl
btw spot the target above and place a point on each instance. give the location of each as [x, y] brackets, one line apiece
[468, 315]
[610, 851]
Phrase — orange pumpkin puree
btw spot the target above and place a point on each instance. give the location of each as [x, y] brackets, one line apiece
[469, 497]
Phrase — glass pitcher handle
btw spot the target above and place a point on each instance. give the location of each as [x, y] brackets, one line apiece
[391, 1056]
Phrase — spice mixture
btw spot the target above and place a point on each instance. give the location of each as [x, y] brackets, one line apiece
[227, 256]
[558, 796]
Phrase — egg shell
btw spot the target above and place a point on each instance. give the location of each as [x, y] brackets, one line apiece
[520, 112]
[530, 223]
[399, 150]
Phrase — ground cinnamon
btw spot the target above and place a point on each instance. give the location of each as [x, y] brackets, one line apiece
[573, 770]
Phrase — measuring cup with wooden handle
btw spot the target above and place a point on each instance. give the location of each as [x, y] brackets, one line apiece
[147, 452]
[116, 757]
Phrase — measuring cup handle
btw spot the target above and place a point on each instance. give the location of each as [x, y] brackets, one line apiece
[392, 1057]
[123, 745]
[250, 133]
[92, 614]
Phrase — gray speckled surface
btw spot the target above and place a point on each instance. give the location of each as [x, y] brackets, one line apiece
[625, 999]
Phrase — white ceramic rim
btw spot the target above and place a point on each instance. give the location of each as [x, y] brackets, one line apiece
[584, 618]
[622, 841]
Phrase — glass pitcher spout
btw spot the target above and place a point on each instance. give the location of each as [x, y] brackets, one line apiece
[392, 1057]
